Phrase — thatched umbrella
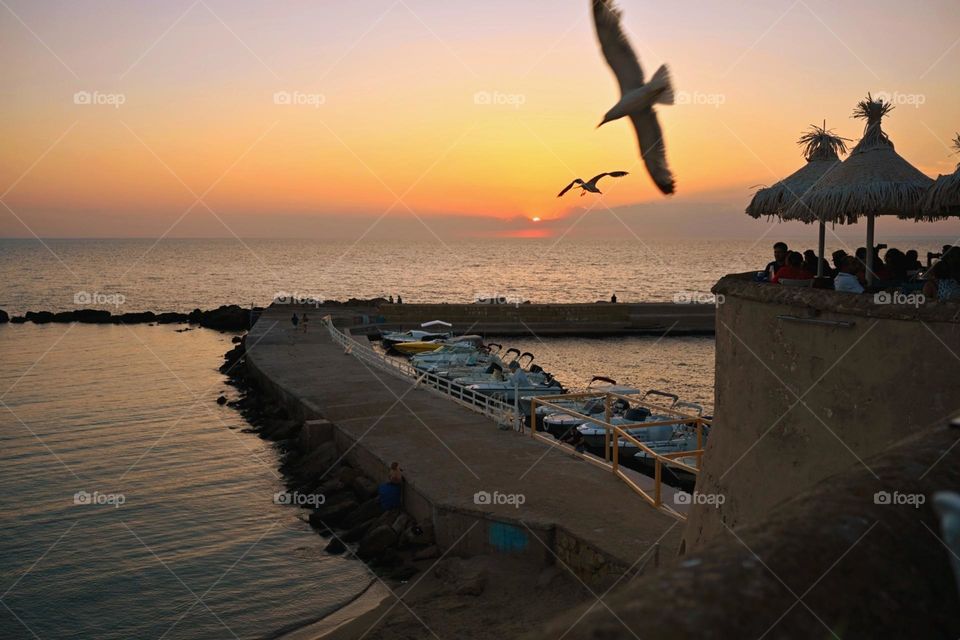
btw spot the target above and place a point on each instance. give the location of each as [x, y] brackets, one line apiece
[874, 180]
[822, 149]
[943, 199]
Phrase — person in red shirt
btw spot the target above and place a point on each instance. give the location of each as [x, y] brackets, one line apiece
[793, 270]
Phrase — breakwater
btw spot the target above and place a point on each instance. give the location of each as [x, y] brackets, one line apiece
[595, 319]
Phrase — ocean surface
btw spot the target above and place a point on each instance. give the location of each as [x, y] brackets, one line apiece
[176, 533]
[181, 275]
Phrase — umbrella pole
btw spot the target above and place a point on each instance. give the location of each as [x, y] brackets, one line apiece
[823, 231]
[870, 276]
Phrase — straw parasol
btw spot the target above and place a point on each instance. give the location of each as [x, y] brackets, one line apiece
[822, 149]
[874, 180]
[943, 198]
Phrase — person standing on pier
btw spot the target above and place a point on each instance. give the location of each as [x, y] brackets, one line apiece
[304, 321]
[295, 320]
[613, 299]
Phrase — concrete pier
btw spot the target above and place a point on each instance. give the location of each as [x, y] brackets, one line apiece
[572, 512]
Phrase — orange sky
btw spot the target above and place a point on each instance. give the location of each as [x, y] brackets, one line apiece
[449, 108]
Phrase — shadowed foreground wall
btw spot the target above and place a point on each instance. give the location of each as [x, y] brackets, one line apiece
[831, 562]
[810, 383]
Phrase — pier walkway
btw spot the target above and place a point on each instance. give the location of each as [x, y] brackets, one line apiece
[571, 510]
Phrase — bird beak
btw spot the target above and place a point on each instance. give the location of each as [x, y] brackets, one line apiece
[602, 122]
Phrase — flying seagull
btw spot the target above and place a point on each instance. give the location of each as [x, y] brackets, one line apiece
[590, 185]
[637, 98]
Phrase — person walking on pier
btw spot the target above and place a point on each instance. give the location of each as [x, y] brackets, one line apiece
[304, 321]
[295, 320]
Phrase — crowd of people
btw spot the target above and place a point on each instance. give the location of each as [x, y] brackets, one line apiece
[896, 269]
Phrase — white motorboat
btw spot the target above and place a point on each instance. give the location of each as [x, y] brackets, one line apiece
[517, 385]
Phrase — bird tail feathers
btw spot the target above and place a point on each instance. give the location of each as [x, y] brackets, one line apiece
[661, 80]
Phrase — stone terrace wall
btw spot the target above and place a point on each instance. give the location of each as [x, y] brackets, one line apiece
[800, 400]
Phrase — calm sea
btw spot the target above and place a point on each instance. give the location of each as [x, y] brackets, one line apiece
[181, 538]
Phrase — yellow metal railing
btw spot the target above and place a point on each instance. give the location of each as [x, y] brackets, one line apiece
[614, 434]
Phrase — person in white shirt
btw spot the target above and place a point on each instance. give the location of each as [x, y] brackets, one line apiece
[846, 279]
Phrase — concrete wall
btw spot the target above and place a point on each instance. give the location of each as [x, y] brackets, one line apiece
[471, 532]
[798, 400]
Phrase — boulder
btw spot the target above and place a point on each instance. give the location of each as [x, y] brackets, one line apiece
[369, 510]
[137, 317]
[418, 535]
[4, 318]
[376, 541]
[363, 487]
[404, 573]
[357, 532]
[64, 316]
[335, 547]
[222, 400]
[333, 512]
[39, 317]
[225, 318]
[92, 316]
[171, 317]
[317, 461]
[400, 523]
[347, 475]
[17, 320]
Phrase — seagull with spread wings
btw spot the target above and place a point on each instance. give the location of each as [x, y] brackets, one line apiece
[637, 97]
[591, 184]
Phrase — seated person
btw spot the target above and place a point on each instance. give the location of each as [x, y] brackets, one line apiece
[779, 259]
[945, 283]
[847, 279]
[838, 257]
[390, 493]
[793, 270]
[912, 261]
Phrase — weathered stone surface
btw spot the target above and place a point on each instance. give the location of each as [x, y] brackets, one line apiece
[369, 510]
[335, 547]
[865, 567]
[427, 553]
[464, 578]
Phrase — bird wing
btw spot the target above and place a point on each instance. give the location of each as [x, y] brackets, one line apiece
[616, 48]
[652, 149]
[612, 174]
[570, 186]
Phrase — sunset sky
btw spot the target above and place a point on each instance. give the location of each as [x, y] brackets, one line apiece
[454, 117]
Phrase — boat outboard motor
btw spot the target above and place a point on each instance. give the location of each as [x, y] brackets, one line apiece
[593, 405]
[636, 414]
[535, 368]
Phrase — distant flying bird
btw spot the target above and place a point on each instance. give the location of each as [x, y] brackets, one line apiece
[590, 185]
[637, 98]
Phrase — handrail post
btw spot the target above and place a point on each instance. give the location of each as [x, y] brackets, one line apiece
[533, 417]
[699, 440]
[616, 448]
[657, 484]
[606, 428]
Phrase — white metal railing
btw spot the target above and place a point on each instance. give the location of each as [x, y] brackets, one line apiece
[503, 413]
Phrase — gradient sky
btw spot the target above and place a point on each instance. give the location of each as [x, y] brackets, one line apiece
[399, 135]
